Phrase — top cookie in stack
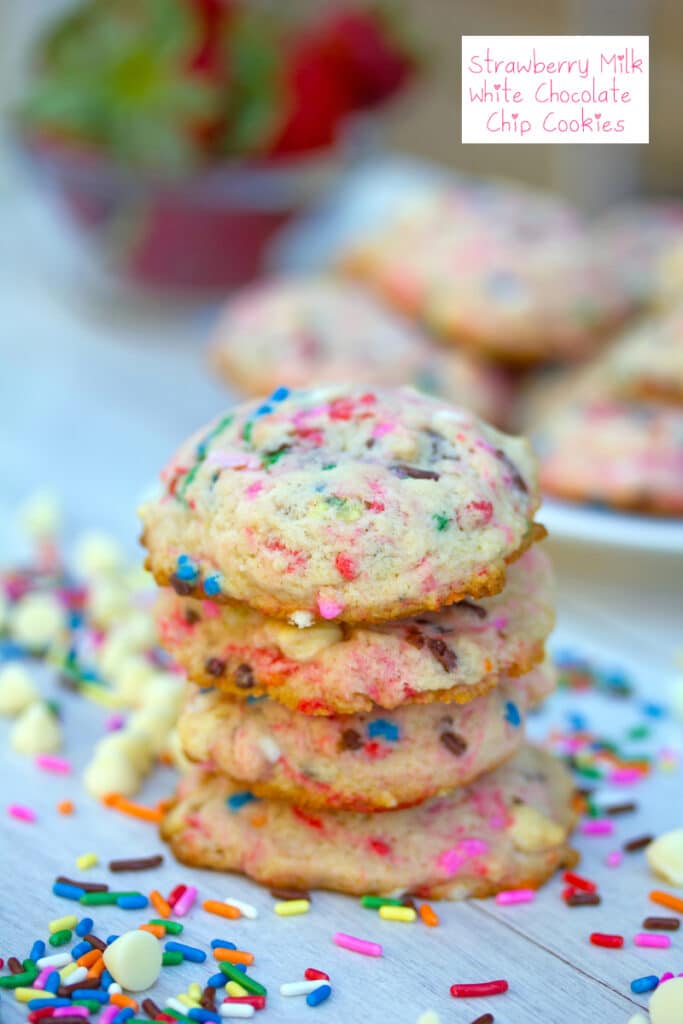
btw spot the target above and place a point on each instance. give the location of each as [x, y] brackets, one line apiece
[342, 504]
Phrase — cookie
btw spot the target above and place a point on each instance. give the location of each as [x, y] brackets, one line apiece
[509, 274]
[628, 455]
[330, 668]
[358, 762]
[343, 504]
[507, 830]
[307, 331]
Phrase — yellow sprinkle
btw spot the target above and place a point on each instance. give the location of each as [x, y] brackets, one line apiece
[101, 696]
[66, 971]
[194, 991]
[60, 923]
[25, 995]
[233, 988]
[87, 860]
[186, 1001]
[290, 907]
[397, 913]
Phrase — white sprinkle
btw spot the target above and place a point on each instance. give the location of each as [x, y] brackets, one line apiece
[242, 1010]
[175, 1004]
[301, 988]
[269, 748]
[80, 974]
[301, 619]
[246, 909]
[114, 989]
[56, 960]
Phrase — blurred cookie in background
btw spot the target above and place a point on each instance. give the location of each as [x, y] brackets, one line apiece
[506, 272]
[303, 331]
[638, 240]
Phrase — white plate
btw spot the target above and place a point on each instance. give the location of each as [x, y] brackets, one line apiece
[608, 527]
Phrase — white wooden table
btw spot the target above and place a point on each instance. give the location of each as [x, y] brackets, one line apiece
[93, 398]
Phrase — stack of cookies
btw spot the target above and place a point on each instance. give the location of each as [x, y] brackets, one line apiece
[349, 578]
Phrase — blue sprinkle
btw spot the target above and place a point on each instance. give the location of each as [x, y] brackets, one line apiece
[111, 938]
[263, 410]
[37, 950]
[645, 984]
[383, 727]
[9, 650]
[84, 926]
[319, 488]
[253, 699]
[653, 710]
[202, 1015]
[218, 980]
[238, 800]
[222, 944]
[80, 949]
[279, 394]
[212, 585]
[512, 714]
[106, 979]
[318, 995]
[136, 901]
[186, 570]
[123, 1015]
[206, 689]
[40, 1004]
[576, 721]
[52, 982]
[240, 967]
[69, 892]
[98, 994]
[197, 956]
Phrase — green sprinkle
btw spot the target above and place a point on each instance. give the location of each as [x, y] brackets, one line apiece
[61, 937]
[171, 958]
[375, 902]
[171, 927]
[334, 500]
[174, 1013]
[441, 521]
[330, 465]
[252, 986]
[187, 479]
[588, 772]
[92, 1005]
[246, 433]
[270, 458]
[103, 899]
[24, 980]
[639, 732]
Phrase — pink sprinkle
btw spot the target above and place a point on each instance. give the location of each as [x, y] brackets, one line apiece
[510, 896]
[667, 976]
[52, 763]
[186, 902]
[624, 776]
[114, 722]
[597, 827]
[233, 460]
[42, 977]
[451, 860]
[652, 941]
[383, 428]
[501, 622]
[357, 945]
[614, 859]
[22, 813]
[253, 489]
[329, 609]
[210, 609]
[73, 1011]
[107, 1015]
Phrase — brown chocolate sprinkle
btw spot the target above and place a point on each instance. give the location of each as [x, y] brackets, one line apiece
[208, 1000]
[413, 472]
[137, 863]
[350, 740]
[151, 1008]
[94, 941]
[517, 478]
[244, 677]
[453, 742]
[190, 616]
[639, 843]
[15, 965]
[66, 990]
[471, 607]
[583, 899]
[621, 808]
[662, 924]
[181, 587]
[444, 654]
[290, 894]
[86, 886]
[72, 1019]
[486, 1018]
[215, 666]
[408, 901]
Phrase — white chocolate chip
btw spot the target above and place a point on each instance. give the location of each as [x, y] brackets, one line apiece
[134, 960]
[97, 554]
[532, 832]
[269, 748]
[37, 621]
[40, 516]
[665, 856]
[666, 1002]
[17, 689]
[304, 645]
[107, 601]
[131, 676]
[111, 775]
[36, 731]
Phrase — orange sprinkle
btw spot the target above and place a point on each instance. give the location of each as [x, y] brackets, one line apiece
[157, 930]
[233, 956]
[65, 807]
[258, 820]
[96, 968]
[165, 805]
[118, 999]
[88, 959]
[665, 899]
[126, 806]
[429, 915]
[159, 903]
[221, 909]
